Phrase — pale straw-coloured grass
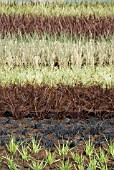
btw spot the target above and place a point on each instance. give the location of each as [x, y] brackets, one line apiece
[37, 52]
[32, 60]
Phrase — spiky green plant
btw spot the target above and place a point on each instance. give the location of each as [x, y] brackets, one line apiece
[10, 163]
[35, 146]
[38, 165]
[12, 148]
[64, 150]
[65, 165]
[24, 153]
[50, 157]
[89, 149]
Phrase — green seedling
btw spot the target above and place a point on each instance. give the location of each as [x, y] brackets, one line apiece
[110, 147]
[64, 150]
[92, 164]
[12, 148]
[65, 165]
[102, 157]
[89, 148]
[80, 166]
[37, 165]
[35, 146]
[50, 157]
[10, 163]
[24, 154]
[77, 158]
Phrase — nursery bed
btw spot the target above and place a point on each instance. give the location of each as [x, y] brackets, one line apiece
[53, 132]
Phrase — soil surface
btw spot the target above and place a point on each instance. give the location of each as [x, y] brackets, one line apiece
[51, 131]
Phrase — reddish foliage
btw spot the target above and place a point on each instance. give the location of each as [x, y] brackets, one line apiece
[88, 26]
[63, 101]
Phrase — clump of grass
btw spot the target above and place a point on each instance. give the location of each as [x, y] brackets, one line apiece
[35, 146]
[13, 147]
[77, 158]
[65, 165]
[38, 165]
[51, 157]
[24, 153]
[10, 163]
[89, 149]
[64, 150]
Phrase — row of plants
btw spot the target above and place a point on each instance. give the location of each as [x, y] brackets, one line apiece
[58, 9]
[81, 26]
[19, 155]
[50, 51]
[87, 76]
[51, 60]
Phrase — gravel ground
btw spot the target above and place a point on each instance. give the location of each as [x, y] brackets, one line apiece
[51, 131]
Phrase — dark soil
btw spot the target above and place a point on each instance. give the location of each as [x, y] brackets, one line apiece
[53, 130]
